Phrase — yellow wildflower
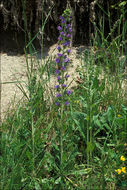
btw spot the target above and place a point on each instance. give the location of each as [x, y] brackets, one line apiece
[118, 115]
[118, 171]
[122, 158]
[123, 169]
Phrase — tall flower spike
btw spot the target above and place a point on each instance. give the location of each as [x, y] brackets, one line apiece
[62, 60]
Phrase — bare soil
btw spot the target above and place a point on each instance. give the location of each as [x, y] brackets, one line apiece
[13, 69]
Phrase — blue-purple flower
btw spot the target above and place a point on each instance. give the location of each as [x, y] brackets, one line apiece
[64, 85]
[66, 43]
[60, 38]
[67, 103]
[70, 29]
[57, 60]
[60, 54]
[58, 78]
[57, 71]
[57, 86]
[58, 95]
[59, 28]
[63, 68]
[62, 33]
[68, 25]
[63, 21]
[67, 76]
[61, 17]
[68, 51]
[68, 35]
[66, 60]
[68, 92]
[59, 48]
[57, 103]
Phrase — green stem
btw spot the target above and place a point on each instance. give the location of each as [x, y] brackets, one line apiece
[87, 142]
[88, 159]
[61, 140]
[33, 149]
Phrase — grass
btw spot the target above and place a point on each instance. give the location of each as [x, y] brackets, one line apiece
[74, 148]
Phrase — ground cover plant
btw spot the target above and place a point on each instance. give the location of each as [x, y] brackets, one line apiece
[70, 137]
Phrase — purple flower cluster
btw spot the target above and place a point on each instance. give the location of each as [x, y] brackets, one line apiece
[62, 60]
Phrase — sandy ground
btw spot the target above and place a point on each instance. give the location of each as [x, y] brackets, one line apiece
[13, 69]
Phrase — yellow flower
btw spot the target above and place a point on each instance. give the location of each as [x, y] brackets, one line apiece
[122, 158]
[118, 115]
[123, 169]
[118, 171]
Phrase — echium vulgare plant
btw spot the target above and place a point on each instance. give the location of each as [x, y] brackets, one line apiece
[62, 59]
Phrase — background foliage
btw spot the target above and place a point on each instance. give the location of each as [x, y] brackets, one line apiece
[85, 14]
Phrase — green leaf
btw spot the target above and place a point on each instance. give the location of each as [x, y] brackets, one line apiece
[81, 172]
[28, 154]
[79, 128]
[122, 3]
[58, 180]
[37, 186]
[99, 147]
[107, 127]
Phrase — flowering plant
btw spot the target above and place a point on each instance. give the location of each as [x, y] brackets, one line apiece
[62, 59]
[121, 173]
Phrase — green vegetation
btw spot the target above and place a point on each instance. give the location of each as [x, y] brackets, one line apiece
[82, 146]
